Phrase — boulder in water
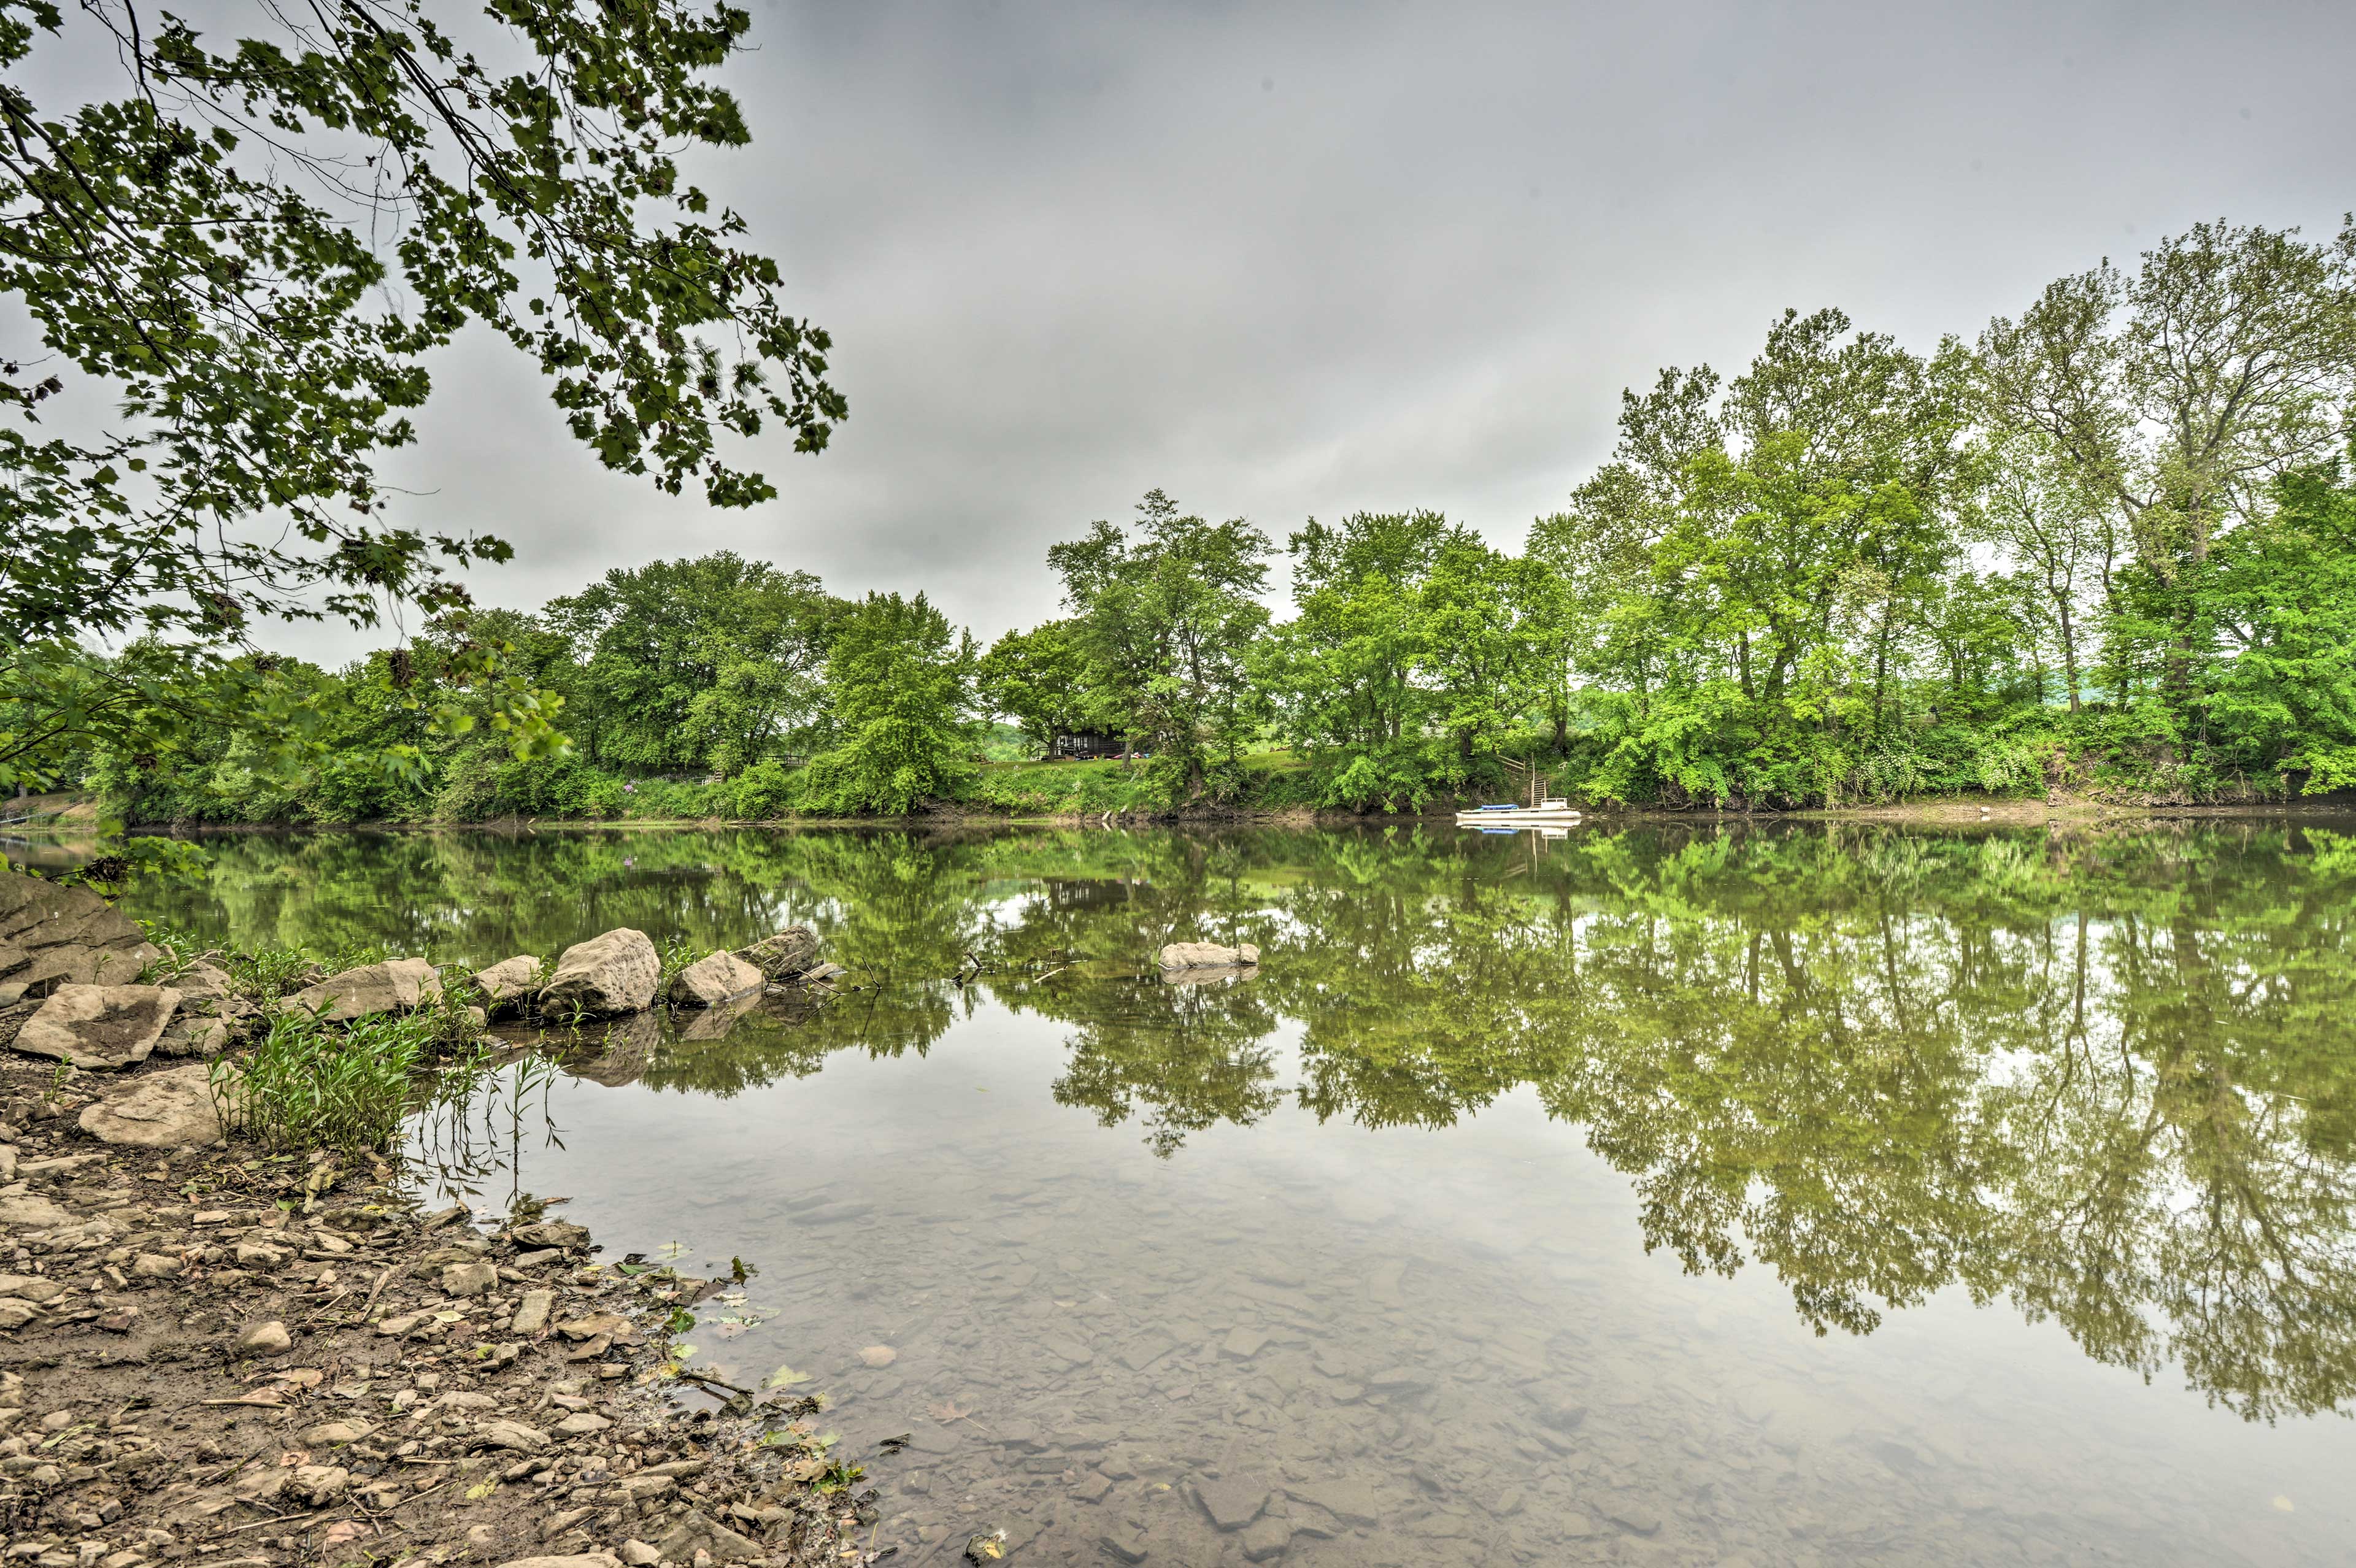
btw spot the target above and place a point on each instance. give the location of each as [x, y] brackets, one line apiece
[708, 981]
[615, 972]
[1208, 956]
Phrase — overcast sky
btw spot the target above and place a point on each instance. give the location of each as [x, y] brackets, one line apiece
[1296, 260]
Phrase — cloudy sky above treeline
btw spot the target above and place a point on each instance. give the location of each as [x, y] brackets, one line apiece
[1286, 259]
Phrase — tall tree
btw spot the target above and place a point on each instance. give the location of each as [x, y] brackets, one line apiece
[900, 697]
[2177, 396]
[1166, 618]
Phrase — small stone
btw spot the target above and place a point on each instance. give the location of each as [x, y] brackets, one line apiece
[1266, 1537]
[269, 1338]
[253, 1254]
[400, 1325]
[469, 1279]
[582, 1424]
[510, 1434]
[1127, 1544]
[1091, 1488]
[584, 1560]
[1243, 1343]
[319, 1485]
[335, 1434]
[1629, 1511]
[15, 1314]
[879, 1355]
[638, 1554]
[532, 1312]
[1231, 1501]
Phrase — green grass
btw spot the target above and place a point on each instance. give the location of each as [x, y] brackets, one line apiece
[311, 1085]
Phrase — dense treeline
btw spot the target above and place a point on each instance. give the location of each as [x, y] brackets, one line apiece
[2108, 545]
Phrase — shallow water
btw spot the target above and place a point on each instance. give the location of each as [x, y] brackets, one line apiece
[1804, 1195]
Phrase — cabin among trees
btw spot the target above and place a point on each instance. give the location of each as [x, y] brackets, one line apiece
[1086, 744]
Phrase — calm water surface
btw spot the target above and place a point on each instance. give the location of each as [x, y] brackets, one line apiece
[1791, 1195]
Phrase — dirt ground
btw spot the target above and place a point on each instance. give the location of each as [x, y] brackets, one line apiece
[231, 1359]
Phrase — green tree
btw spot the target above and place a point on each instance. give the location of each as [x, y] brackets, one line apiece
[1342, 674]
[2175, 397]
[1040, 678]
[1166, 619]
[246, 256]
[899, 695]
[711, 662]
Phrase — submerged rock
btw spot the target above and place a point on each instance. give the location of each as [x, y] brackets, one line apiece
[98, 1026]
[709, 981]
[1208, 955]
[401, 985]
[614, 973]
[175, 1109]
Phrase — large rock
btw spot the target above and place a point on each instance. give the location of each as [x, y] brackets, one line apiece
[36, 914]
[71, 964]
[1208, 955]
[708, 981]
[507, 984]
[164, 1110]
[401, 985]
[615, 972]
[98, 1026]
[791, 951]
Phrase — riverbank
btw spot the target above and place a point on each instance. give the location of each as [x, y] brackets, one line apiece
[250, 1355]
[242, 1358]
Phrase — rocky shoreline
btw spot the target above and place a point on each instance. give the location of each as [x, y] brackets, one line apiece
[229, 1357]
[215, 1353]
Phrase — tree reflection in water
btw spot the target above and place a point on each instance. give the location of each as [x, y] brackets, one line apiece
[2108, 1077]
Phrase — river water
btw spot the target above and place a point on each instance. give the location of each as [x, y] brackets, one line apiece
[1785, 1195]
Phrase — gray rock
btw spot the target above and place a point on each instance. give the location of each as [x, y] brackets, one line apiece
[319, 1485]
[1559, 1410]
[614, 973]
[201, 982]
[1266, 1537]
[72, 963]
[584, 1560]
[1352, 1502]
[696, 1529]
[532, 1312]
[637, 1554]
[792, 951]
[469, 1279]
[510, 1434]
[1208, 955]
[1231, 1502]
[550, 1233]
[711, 982]
[173, 1109]
[269, 1338]
[1629, 1510]
[32, 1213]
[506, 984]
[98, 1026]
[401, 985]
[1125, 1544]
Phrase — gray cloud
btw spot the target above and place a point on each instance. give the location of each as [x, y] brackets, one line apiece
[1295, 259]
